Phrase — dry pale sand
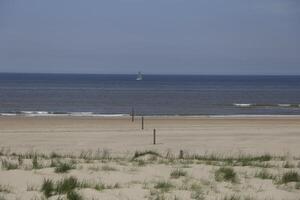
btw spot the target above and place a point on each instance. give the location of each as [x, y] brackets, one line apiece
[124, 178]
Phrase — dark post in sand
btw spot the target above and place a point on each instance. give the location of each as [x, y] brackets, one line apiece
[132, 114]
[142, 122]
[181, 154]
[154, 136]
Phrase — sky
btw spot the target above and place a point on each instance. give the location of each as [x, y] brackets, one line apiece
[152, 36]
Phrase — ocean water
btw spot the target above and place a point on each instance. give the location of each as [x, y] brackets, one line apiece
[46, 94]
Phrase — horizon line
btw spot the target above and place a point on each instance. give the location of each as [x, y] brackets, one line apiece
[156, 74]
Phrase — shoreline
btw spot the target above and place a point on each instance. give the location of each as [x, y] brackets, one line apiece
[115, 116]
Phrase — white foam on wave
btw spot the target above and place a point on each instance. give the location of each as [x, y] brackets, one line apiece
[52, 114]
[242, 105]
[286, 105]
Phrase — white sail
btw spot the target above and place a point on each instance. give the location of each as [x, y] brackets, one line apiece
[139, 76]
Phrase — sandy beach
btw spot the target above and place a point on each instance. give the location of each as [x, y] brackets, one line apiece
[275, 135]
[28, 144]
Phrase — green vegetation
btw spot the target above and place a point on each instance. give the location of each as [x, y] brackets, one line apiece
[138, 154]
[108, 168]
[241, 160]
[61, 187]
[226, 174]
[288, 165]
[2, 197]
[297, 185]
[47, 187]
[290, 176]
[35, 164]
[232, 197]
[197, 192]
[163, 186]
[264, 174]
[8, 165]
[177, 173]
[73, 195]
[68, 185]
[5, 189]
[63, 167]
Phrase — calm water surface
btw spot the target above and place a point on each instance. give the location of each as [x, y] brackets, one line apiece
[154, 95]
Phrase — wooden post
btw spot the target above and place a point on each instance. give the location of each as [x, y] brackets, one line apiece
[142, 122]
[154, 136]
[132, 114]
[181, 154]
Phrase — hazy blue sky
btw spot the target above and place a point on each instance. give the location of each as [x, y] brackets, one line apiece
[154, 36]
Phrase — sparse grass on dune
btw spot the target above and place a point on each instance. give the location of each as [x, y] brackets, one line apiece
[66, 185]
[8, 165]
[47, 187]
[138, 154]
[264, 174]
[226, 174]
[63, 186]
[63, 167]
[73, 195]
[232, 197]
[290, 176]
[2, 197]
[197, 192]
[35, 163]
[297, 186]
[230, 169]
[5, 189]
[164, 186]
[108, 168]
[237, 197]
[288, 164]
[69, 184]
[177, 173]
[241, 160]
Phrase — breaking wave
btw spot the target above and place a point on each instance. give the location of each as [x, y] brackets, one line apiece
[244, 105]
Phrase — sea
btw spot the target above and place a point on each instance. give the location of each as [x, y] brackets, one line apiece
[117, 95]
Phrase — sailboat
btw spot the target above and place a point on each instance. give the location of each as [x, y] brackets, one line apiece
[139, 77]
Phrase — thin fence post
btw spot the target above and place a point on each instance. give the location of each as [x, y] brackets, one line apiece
[154, 136]
[181, 154]
[142, 122]
[132, 114]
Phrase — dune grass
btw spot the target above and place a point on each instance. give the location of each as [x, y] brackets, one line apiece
[47, 187]
[35, 163]
[197, 192]
[2, 197]
[108, 168]
[63, 167]
[68, 185]
[290, 176]
[5, 189]
[288, 164]
[264, 174]
[164, 186]
[8, 165]
[226, 174]
[232, 197]
[73, 195]
[63, 186]
[297, 186]
[138, 154]
[177, 173]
